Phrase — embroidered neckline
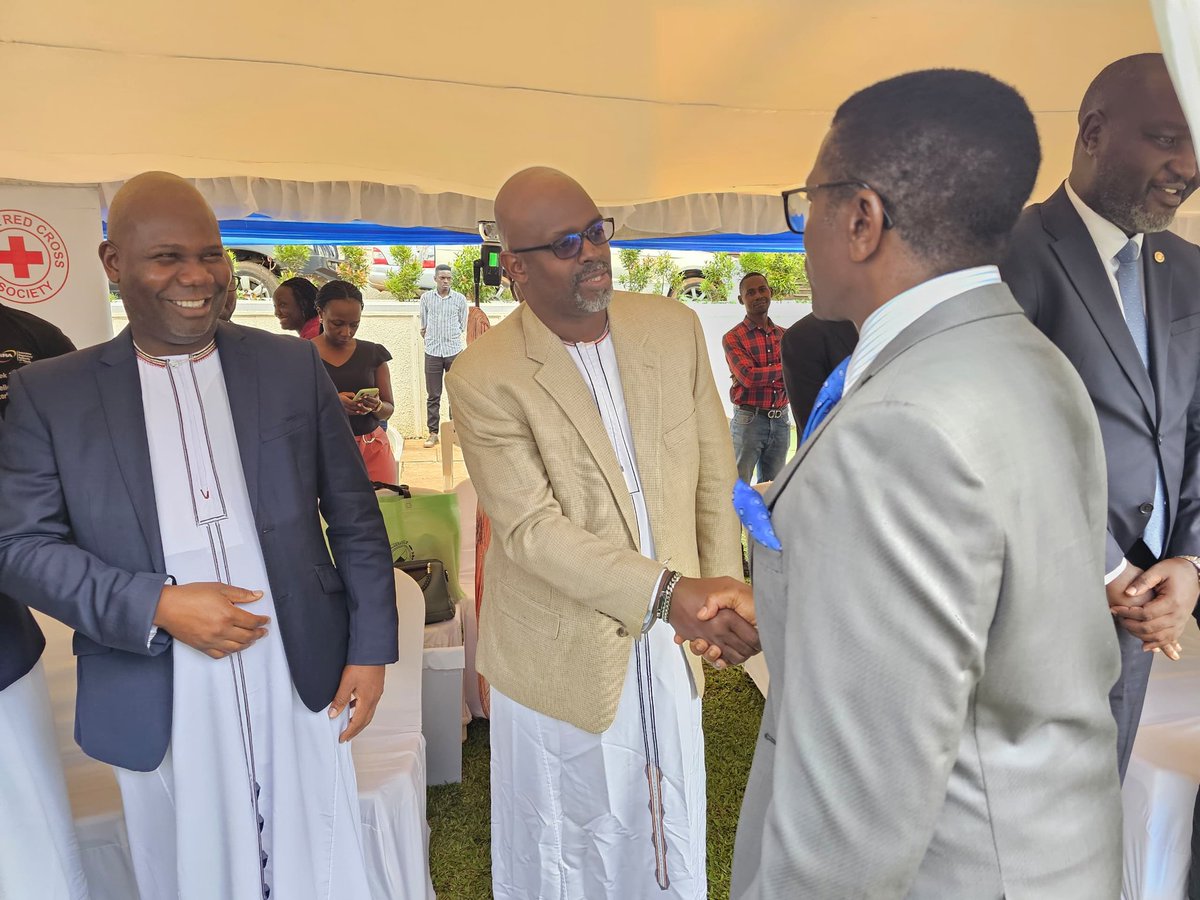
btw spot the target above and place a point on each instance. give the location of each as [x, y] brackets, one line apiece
[202, 353]
[596, 341]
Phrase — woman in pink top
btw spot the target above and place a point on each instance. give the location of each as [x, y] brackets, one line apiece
[296, 307]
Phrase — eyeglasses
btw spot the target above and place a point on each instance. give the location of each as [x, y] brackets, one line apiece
[795, 216]
[569, 246]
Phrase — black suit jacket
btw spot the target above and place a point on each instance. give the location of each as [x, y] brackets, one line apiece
[79, 535]
[21, 641]
[811, 350]
[1146, 418]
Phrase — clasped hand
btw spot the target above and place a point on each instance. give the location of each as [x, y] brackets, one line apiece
[717, 616]
[1155, 604]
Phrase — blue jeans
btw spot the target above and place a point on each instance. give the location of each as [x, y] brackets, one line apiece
[761, 441]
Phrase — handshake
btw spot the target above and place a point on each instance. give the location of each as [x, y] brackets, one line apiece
[716, 615]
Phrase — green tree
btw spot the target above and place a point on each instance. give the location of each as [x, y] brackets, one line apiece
[402, 284]
[717, 276]
[785, 272]
[637, 269]
[353, 266]
[665, 274]
[291, 259]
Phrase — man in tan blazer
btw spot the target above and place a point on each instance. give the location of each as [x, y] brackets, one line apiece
[937, 725]
[591, 426]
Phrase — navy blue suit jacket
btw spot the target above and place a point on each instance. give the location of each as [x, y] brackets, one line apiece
[1149, 418]
[79, 535]
[21, 641]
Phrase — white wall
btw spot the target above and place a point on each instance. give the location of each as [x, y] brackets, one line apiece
[718, 318]
[396, 326]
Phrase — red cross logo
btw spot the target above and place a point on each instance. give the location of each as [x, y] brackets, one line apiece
[19, 258]
[34, 262]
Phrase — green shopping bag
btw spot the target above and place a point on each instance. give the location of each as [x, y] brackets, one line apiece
[424, 526]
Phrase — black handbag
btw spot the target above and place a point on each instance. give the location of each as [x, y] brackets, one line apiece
[430, 575]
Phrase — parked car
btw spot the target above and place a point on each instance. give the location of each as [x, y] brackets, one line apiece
[383, 266]
[259, 274]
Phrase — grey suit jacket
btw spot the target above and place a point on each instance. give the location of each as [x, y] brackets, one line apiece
[937, 724]
[79, 535]
[1058, 277]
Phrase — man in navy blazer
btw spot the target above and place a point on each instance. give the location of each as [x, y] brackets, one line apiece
[80, 535]
[39, 854]
[1096, 270]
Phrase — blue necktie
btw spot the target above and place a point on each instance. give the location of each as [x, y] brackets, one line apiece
[827, 398]
[1130, 285]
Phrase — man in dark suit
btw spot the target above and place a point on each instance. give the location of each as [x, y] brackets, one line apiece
[38, 851]
[160, 494]
[1095, 269]
[812, 349]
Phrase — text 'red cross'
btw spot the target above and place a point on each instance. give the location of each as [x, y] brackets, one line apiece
[19, 258]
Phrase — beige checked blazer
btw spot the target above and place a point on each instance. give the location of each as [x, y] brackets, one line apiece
[565, 588]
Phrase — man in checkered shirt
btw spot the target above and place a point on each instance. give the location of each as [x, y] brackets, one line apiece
[760, 429]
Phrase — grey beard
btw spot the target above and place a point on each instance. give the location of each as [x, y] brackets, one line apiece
[596, 304]
[1125, 210]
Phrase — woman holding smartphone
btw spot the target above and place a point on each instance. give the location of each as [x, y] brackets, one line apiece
[359, 371]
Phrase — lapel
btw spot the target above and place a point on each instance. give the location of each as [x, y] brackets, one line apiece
[1076, 252]
[642, 387]
[1158, 314]
[560, 378]
[240, 368]
[985, 302]
[120, 390]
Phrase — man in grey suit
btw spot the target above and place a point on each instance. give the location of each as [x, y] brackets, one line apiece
[159, 493]
[928, 732]
[1095, 269]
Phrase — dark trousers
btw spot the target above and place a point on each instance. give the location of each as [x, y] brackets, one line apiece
[1129, 693]
[435, 368]
[1194, 873]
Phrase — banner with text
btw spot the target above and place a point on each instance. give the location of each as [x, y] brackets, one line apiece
[48, 261]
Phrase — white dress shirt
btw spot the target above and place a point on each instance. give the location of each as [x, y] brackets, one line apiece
[886, 323]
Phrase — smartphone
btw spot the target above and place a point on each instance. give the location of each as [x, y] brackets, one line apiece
[366, 392]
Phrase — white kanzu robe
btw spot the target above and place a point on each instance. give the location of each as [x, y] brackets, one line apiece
[255, 798]
[572, 811]
[39, 854]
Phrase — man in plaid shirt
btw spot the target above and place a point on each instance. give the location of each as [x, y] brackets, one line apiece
[760, 428]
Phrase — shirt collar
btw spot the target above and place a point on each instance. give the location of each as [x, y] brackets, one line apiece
[770, 326]
[1108, 238]
[883, 325]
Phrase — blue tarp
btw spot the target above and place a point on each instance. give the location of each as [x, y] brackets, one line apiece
[262, 230]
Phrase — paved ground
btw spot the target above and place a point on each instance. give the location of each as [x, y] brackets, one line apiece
[422, 468]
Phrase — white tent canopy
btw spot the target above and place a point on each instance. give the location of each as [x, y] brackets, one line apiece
[681, 118]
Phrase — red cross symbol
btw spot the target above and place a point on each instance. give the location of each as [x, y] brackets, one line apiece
[19, 258]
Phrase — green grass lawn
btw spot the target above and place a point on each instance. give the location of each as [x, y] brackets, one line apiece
[458, 813]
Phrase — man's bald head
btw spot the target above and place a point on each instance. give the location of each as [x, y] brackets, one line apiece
[164, 254]
[528, 200]
[150, 195]
[1134, 162]
[1123, 82]
[534, 208]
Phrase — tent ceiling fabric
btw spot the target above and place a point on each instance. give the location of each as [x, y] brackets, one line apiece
[677, 117]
